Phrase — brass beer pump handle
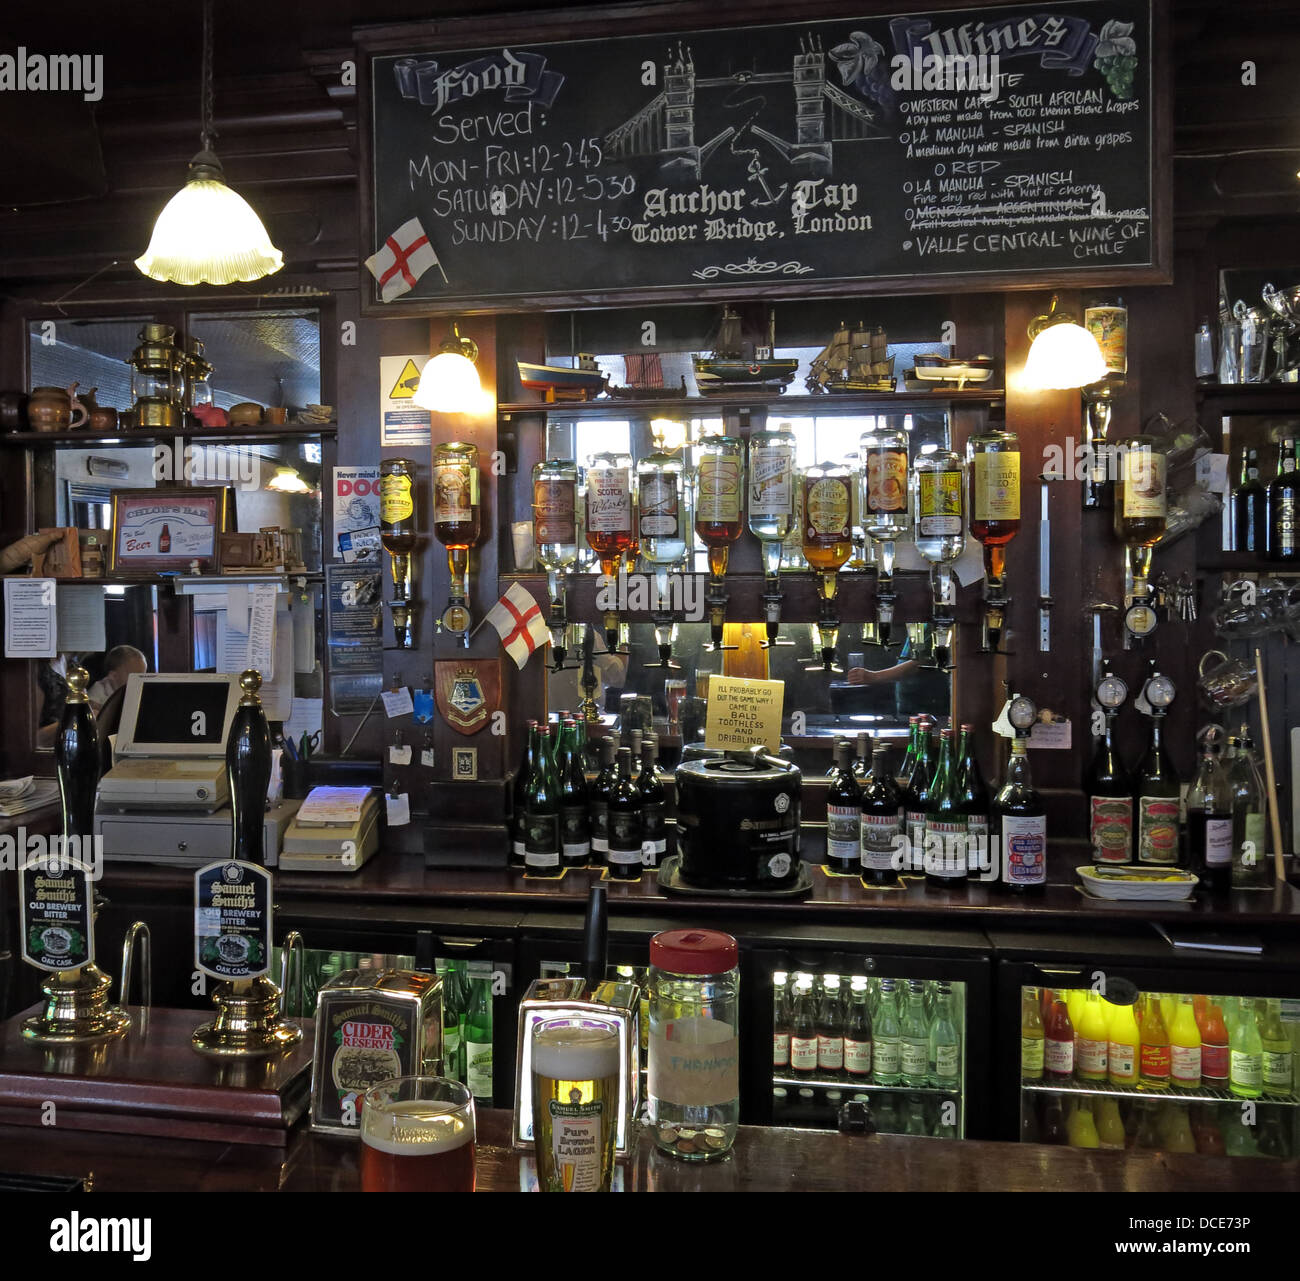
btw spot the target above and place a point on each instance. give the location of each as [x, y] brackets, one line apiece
[138, 933]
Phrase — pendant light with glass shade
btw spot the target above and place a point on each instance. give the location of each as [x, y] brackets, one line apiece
[449, 382]
[1063, 355]
[207, 233]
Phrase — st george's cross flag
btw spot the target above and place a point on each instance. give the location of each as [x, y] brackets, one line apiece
[402, 259]
[519, 620]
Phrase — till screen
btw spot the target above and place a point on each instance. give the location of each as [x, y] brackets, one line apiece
[181, 711]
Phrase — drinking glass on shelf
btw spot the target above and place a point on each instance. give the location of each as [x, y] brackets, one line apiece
[417, 1135]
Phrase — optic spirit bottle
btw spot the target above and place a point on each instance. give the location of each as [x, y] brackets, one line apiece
[827, 540]
[1284, 505]
[772, 509]
[610, 521]
[397, 520]
[555, 506]
[1141, 501]
[662, 511]
[994, 473]
[719, 497]
[939, 505]
[882, 455]
[456, 503]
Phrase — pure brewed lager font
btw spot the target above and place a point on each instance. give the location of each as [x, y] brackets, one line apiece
[417, 1135]
[575, 1103]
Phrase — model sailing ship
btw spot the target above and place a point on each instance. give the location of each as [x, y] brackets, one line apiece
[855, 360]
[737, 363]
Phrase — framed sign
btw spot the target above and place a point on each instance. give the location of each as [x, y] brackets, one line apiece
[167, 529]
[680, 152]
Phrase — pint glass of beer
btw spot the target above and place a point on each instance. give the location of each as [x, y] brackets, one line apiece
[417, 1135]
[575, 1103]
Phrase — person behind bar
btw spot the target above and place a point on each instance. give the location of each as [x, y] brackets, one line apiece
[119, 663]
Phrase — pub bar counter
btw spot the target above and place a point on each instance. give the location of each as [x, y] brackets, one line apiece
[829, 480]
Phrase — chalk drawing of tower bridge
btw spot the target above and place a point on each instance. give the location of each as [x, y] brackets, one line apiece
[668, 125]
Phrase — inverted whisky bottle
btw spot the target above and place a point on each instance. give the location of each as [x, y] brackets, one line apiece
[610, 524]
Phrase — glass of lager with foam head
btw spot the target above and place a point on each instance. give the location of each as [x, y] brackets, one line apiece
[417, 1135]
[575, 1102]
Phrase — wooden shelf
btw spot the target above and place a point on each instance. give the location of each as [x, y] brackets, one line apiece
[1221, 562]
[794, 406]
[135, 439]
[1252, 398]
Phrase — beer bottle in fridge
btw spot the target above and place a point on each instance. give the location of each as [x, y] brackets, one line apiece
[830, 1030]
[803, 1032]
[857, 1033]
[478, 1041]
[844, 815]
[782, 1000]
[888, 1042]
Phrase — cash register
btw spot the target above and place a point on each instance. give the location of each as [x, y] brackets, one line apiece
[166, 799]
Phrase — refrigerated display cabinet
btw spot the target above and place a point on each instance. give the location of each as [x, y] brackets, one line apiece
[1225, 1084]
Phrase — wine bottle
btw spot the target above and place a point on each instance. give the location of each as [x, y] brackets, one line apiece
[601, 790]
[1109, 789]
[624, 822]
[1020, 825]
[844, 815]
[916, 798]
[1156, 794]
[1249, 507]
[1284, 506]
[654, 829]
[1209, 823]
[882, 821]
[542, 812]
[575, 812]
[973, 795]
[945, 824]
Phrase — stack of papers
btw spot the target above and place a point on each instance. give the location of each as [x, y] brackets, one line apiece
[19, 795]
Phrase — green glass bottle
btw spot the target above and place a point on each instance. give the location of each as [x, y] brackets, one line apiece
[478, 1041]
[542, 812]
[975, 803]
[526, 766]
[945, 1043]
[915, 1037]
[916, 798]
[945, 824]
[1246, 1054]
[888, 1044]
[1279, 1065]
[455, 1003]
[575, 814]
[1251, 866]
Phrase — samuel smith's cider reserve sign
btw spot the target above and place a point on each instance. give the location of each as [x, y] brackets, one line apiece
[862, 154]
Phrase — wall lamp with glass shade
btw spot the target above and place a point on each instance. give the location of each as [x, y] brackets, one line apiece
[449, 383]
[207, 233]
[1063, 355]
[287, 481]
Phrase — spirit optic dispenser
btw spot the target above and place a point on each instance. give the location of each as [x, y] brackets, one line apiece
[939, 528]
[883, 456]
[719, 516]
[994, 460]
[456, 526]
[1141, 508]
[827, 543]
[773, 506]
[664, 521]
[611, 523]
[397, 532]
[555, 528]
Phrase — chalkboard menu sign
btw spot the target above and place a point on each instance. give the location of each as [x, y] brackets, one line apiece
[959, 149]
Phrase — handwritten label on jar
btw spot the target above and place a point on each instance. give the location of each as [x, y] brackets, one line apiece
[695, 1062]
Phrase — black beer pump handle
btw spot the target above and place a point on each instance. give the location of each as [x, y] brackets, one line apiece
[595, 937]
[77, 760]
[248, 771]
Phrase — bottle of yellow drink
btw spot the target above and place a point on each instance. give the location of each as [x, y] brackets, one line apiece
[1279, 1066]
[1110, 1125]
[1032, 1035]
[1185, 1047]
[1122, 1052]
[1168, 1008]
[1075, 999]
[1176, 1130]
[1081, 1128]
[1092, 1039]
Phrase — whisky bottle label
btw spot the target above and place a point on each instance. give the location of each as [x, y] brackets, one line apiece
[554, 517]
[770, 482]
[886, 480]
[718, 480]
[996, 476]
[1143, 484]
[609, 500]
[660, 507]
[452, 494]
[939, 513]
[827, 510]
[395, 503]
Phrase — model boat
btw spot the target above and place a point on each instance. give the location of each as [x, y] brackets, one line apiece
[953, 369]
[737, 363]
[855, 360]
[644, 372]
[583, 381]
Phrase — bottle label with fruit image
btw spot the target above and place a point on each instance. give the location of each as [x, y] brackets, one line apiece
[1158, 830]
[1111, 828]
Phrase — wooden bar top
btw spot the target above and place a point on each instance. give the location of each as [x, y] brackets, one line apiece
[764, 1160]
[393, 882]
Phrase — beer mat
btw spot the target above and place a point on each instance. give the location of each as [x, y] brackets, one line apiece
[670, 879]
[538, 876]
